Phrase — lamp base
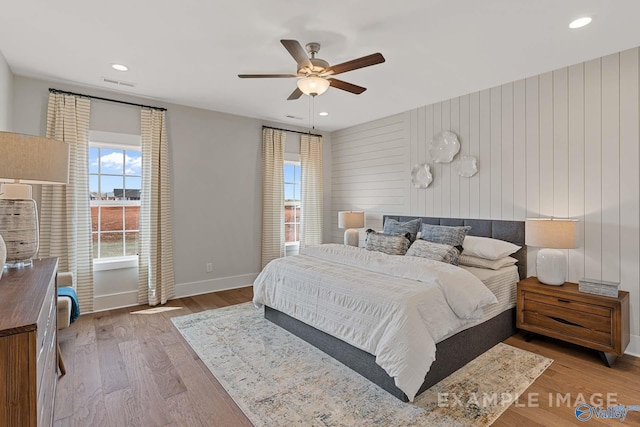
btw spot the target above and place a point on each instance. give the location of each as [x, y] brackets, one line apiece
[19, 229]
[551, 267]
[352, 237]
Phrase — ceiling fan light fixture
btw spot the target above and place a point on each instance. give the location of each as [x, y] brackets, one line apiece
[313, 85]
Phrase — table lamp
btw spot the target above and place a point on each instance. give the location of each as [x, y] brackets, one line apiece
[351, 220]
[25, 160]
[551, 234]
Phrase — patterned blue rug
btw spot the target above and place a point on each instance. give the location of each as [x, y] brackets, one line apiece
[277, 379]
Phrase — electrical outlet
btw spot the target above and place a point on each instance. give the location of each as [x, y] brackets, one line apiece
[209, 267]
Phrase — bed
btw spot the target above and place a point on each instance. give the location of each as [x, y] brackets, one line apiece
[452, 351]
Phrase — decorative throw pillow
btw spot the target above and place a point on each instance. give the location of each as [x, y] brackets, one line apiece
[488, 248]
[391, 244]
[473, 261]
[434, 251]
[391, 226]
[446, 235]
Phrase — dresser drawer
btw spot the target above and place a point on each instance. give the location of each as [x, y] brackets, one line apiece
[568, 304]
[47, 387]
[46, 330]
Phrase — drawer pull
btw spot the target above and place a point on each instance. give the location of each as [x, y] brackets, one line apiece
[566, 322]
[563, 300]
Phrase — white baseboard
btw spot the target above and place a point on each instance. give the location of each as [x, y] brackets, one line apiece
[114, 301]
[214, 285]
[634, 346]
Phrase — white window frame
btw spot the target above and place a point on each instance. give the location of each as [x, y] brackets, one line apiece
[293, 159]
[114, 141]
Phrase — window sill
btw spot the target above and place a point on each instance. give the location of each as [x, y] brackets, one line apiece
[115, 263]
[292, 243]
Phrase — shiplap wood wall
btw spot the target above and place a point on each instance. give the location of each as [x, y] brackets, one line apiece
[563, 144]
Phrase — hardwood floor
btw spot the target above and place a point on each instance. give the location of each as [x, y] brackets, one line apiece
[131, 367]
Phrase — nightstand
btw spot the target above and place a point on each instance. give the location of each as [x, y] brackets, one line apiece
[594, 321]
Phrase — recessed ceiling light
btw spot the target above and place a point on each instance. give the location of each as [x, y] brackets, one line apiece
[119, 67]
[580, 22]
[323, 114]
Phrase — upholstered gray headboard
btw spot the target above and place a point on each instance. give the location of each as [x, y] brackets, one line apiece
[511, 231]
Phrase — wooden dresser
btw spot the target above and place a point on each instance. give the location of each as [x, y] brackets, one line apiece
[563, 312]
[28, 344]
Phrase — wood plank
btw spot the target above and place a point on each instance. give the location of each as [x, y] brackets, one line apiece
[519, 151]
[611, 168]
[112, 369]
[436, 168]
[593, 169]
[533, 160]
[484, 162]
[576, 190]
[144, 389]
[465, 143]
[453, 170]
[495, 135]
[474, 150]
[445, 168]
[163, 371]
[629, 179]
[123, 409]
[547, 161]
[413, 156]
[429, 192]
[88, 406]
[507, 156]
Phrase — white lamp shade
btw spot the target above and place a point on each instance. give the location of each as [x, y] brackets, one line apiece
[313, 85]
[550, 233]
[350, 219]
[33, 159]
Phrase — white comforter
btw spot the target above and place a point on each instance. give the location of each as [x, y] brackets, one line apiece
[394, 307]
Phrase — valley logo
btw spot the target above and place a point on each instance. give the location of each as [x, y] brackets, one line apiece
[585, 412]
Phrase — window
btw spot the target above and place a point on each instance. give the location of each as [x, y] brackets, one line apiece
[115, 180]
[292, 199]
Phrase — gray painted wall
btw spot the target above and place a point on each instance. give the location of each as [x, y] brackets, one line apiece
[6, 94]
[216, 184]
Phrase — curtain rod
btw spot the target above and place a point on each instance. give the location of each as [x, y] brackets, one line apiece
[51, 90]
[293, 131]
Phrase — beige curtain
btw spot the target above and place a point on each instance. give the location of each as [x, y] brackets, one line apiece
[65, 214]
[156, 282]
[311, 211]
[272, 194]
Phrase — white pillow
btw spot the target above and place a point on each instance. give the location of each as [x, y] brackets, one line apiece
[474, 261]
[488, 248]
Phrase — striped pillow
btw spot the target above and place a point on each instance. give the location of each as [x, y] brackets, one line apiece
[434, 251]
[391, 226]
[391, 244]
[453, 236]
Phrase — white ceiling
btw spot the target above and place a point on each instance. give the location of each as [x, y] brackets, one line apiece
[190, 51]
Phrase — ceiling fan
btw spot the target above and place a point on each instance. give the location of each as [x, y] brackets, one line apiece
[314, 74]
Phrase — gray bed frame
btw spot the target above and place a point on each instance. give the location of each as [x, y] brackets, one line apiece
[452, 353]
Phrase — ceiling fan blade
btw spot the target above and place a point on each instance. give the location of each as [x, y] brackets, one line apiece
[349, 87]
[265, 76]
[297, 51]
[295, 94]
[354, 64]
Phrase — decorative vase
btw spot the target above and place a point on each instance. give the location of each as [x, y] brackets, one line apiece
[3, 255]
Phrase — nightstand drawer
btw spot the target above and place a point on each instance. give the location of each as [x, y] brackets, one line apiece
[568, 304]
[568, 325]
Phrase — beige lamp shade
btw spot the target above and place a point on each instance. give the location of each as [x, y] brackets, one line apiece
[33, 159]
[550, 233]
[350, 219]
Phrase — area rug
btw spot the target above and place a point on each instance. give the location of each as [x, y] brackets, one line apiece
[277, 379]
